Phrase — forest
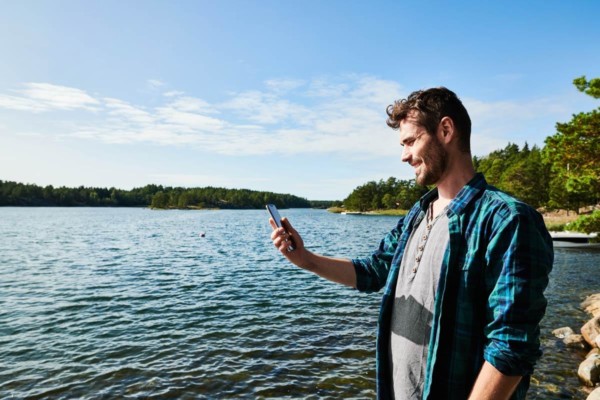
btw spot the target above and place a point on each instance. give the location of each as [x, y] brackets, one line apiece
[156, 196]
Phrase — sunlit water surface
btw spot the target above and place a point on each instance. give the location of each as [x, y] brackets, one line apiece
[132, 303]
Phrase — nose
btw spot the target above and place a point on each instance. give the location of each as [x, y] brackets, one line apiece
[406, 156]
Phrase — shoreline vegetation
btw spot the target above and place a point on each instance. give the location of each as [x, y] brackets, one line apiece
[153, 196]
[157, 197]
[555, 220]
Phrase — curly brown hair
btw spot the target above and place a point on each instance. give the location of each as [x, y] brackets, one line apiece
[428, 107]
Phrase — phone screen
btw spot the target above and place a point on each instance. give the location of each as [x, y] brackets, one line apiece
[274, 214]
[277, 218]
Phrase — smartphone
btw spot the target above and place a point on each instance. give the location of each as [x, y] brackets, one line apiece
[277, 218]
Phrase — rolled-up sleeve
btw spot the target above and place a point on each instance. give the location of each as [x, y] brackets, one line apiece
[372, 271]
[519, 260]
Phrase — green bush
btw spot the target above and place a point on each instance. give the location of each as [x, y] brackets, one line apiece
[586, 223]
[554, 227]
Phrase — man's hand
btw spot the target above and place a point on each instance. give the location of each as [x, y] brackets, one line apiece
[284, 237]
[339, 270]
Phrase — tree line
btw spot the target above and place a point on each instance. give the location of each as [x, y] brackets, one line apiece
[564, 174]
[156, 196]
[212, 197]
[385, 194]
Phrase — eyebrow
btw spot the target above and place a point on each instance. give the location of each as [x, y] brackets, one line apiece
[410, 139]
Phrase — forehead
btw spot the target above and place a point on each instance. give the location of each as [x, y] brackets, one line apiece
[409, 128]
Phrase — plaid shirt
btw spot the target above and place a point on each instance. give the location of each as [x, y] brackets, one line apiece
[490, 297]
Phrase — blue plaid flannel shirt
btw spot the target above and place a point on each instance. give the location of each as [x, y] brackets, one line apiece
[490, 298]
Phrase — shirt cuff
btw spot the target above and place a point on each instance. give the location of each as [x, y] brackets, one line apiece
[507, 361]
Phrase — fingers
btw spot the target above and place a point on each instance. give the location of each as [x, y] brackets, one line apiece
[284, 238]
[280, 237]
[287, 225]
[272, 223]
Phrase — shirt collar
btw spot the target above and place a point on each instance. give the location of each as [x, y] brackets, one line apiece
[462, 199]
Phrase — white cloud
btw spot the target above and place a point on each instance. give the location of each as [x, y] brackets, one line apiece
[324, 88]
[173, 93]
[188, 121]
[21, 104]
[39, 97]
[192, 104]
[267, 108]
[284, 85]
[338, 115]
[127, 112]
[376, 91]
[155, 83]
[496, 123]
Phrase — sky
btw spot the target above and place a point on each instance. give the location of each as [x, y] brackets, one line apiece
[280, 96]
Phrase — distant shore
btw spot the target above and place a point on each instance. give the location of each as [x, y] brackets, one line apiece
[554, 220]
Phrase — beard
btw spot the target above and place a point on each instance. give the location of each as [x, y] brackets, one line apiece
[433, 164]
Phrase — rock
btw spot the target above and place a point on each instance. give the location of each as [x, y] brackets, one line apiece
[575, 341]
[563, 332]
[591, 330]
[598, 341]
[592, 352]
[589, 370]
[591, 304]
[595, 395]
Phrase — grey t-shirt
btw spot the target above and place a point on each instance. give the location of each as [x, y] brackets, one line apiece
[413, 306]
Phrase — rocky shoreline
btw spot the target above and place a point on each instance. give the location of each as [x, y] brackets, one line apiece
[588, 339]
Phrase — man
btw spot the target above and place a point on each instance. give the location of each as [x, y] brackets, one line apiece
[463, 272]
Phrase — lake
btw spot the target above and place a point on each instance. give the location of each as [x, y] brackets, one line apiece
[103, 303]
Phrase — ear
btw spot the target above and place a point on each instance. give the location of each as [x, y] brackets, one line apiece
[446, 130]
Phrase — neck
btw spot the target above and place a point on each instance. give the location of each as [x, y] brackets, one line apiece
[457, 175]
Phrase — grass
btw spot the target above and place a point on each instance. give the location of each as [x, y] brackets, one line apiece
[339, 210]
[393, 212]
[557, 220]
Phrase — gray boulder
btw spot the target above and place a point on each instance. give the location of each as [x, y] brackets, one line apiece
[591, 330]
[589, 370]
[591, 304]
[575, 342]
[563, 332]
[592, 352]
[595, 395]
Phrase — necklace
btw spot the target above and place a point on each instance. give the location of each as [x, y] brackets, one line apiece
[429, 221]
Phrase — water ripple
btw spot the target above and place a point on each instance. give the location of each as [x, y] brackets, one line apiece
[129, 303]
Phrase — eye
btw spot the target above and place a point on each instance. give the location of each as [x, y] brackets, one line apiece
[407, 142]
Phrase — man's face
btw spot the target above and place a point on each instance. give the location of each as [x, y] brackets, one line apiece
[423, 152]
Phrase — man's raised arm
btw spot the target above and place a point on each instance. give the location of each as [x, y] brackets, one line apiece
[337, 270]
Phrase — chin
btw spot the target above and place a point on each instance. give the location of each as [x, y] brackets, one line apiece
[420, 181]
[426, 180]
